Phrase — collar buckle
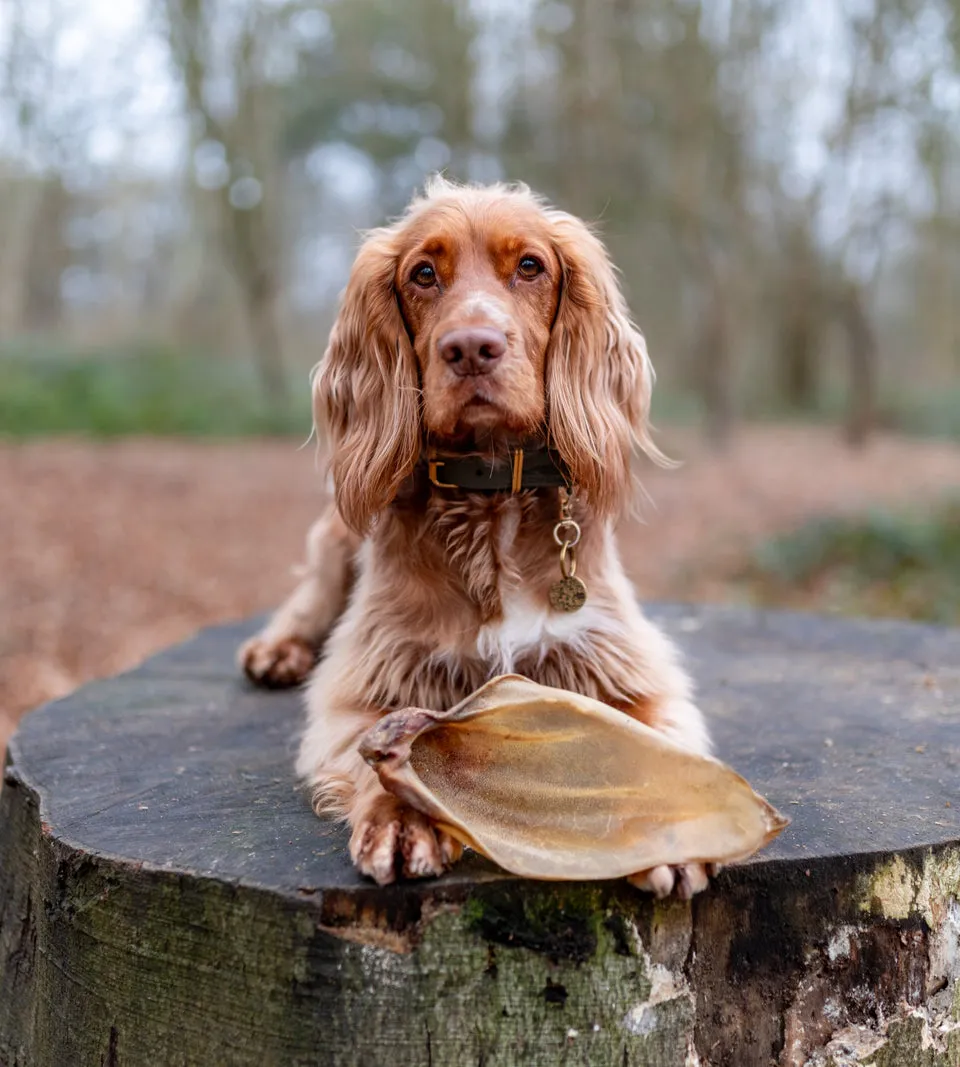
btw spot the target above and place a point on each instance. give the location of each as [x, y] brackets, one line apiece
[516, 482]
[432, 464]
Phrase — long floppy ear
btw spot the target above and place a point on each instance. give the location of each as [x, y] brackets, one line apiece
[366, 393]
[599, 376]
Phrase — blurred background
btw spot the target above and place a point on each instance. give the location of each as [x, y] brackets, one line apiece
[181, 187]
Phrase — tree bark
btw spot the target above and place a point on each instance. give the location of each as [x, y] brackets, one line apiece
[168, 898]
[862, 356]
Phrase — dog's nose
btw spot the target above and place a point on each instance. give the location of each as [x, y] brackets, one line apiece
[473, 350]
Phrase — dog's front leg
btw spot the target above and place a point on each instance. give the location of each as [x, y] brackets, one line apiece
[284, 652]
[387, 837]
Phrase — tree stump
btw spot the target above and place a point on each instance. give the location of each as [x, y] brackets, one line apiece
[167, 897]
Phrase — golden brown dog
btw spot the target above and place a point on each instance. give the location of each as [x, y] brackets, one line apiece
[481, 324]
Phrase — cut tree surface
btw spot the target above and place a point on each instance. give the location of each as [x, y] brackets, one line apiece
[168, 897]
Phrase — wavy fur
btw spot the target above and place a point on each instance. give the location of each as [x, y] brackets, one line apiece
[448, 589]
[366, 392]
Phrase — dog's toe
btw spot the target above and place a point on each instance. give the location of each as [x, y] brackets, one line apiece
[373, 847]
[422, 855]
[657, 880]
[692, 878]
[685, 881]
[450, 848]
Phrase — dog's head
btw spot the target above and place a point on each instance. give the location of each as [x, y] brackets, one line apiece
[480, 317]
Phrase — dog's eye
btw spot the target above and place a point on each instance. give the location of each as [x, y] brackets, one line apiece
[424, 276]
[529, 267]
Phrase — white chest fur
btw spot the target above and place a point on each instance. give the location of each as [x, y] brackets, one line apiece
[528, 626]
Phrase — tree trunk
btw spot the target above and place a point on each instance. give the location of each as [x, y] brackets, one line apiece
[799, 320]
[21, 211]
[862, 356]
[713, 359]
[169, 899]
[47, 259]
[248, 235]
[798, 362]
[261, 308]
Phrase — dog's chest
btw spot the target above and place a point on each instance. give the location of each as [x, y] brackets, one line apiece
[527, 628]
[527, 624]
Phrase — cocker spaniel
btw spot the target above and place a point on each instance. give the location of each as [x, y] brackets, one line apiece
[481, 397]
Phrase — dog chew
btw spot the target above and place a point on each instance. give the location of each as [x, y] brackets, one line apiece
[553, 785]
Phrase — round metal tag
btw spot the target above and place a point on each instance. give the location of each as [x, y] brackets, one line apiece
[569, 594]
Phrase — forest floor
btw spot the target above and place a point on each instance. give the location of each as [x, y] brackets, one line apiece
[109, 551]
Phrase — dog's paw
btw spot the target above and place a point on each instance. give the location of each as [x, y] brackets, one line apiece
[391, 838]
[683, 881]
[276, 664]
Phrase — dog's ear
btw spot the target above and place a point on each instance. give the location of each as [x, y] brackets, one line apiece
[366, 394]
[599, 376]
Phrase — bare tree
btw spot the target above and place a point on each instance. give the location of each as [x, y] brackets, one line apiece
[26, 79]
[862, 357]
[754, 229]
[799, 310]
[224, 47]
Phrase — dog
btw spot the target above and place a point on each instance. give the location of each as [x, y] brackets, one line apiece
[482, 396]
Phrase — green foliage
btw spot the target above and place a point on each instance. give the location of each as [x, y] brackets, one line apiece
[145, 391]
[922, 410]
[672, 406]
[929, 411]
[882, 564]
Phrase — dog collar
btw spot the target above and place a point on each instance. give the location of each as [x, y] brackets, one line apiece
[539, 467]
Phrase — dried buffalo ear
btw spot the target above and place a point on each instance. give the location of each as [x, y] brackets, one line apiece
[553, 785]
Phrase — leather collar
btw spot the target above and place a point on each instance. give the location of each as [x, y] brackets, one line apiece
[538, 467]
